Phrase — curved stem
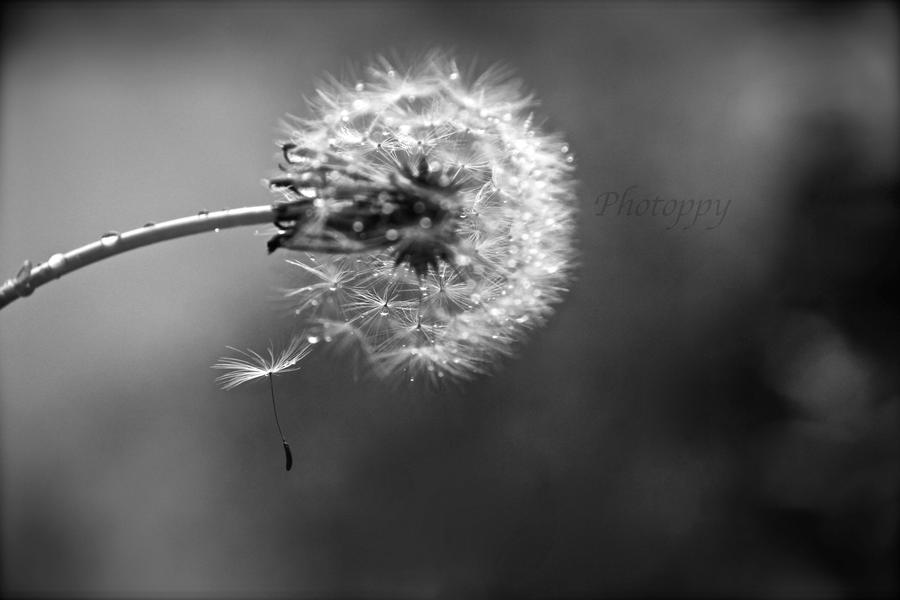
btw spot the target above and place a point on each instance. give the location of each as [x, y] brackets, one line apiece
[114, 243]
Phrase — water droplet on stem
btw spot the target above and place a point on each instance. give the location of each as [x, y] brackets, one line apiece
[57, 261]
[109, 238]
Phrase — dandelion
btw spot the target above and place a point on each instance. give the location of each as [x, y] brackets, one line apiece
[440, 207]
[429, 216]
[436, 219]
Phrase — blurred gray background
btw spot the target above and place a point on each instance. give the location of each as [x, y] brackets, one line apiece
[711, 411]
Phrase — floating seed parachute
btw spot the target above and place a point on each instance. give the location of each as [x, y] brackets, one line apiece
[433, 217]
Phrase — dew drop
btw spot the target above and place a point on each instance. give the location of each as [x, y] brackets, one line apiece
[454, 76]
[358, 226]
[411, 379]
[312, 339]
[109, 239]
[570, 159]
[360, 86]
[57, 261]
[564, 148]
[391, 235]
[216, 230]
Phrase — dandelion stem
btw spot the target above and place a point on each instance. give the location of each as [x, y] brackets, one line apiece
[114, 243]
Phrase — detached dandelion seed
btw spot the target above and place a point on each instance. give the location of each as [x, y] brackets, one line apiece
[252, 366]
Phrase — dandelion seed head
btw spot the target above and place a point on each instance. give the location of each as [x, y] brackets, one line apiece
[435, 215]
